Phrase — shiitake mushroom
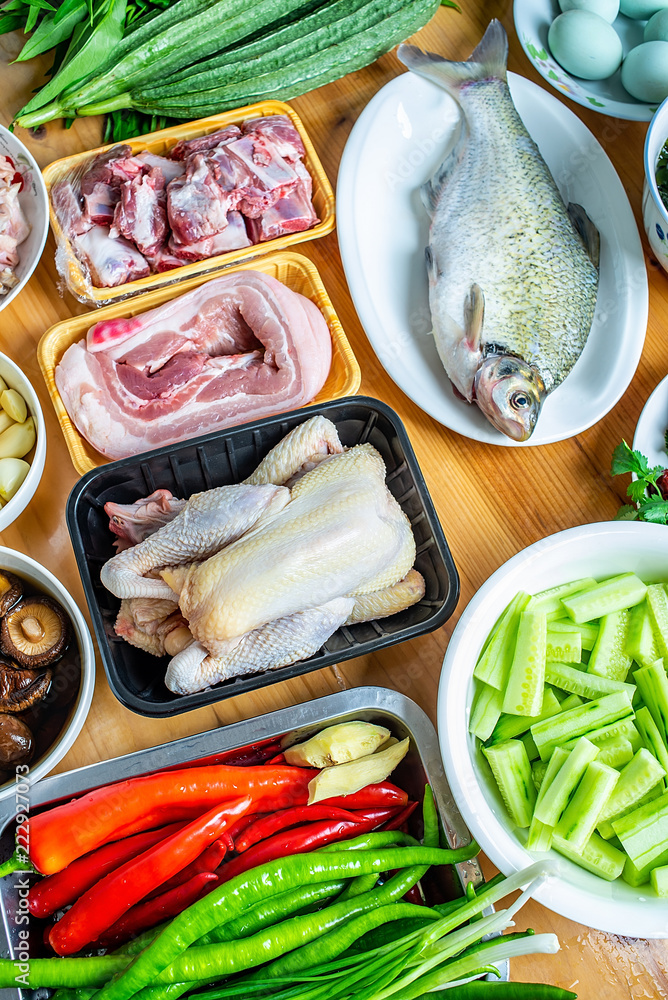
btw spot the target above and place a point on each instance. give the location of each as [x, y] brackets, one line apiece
[34, 632]
[16, 741]
[21, 687]
[11, 588]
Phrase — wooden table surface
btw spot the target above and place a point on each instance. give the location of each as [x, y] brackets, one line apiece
[492, 501]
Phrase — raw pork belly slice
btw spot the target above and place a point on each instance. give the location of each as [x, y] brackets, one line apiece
[240, 347]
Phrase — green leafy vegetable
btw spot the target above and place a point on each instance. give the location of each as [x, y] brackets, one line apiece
[644, 491]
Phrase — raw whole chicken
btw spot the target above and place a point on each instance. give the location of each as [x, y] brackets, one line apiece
[238, 347]
[265, 571]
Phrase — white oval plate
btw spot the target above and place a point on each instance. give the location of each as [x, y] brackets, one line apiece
[532, 22]
[650, 435]
[396, 145]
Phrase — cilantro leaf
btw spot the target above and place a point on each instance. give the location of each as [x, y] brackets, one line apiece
[626, 513]
[626, 460]
[654, 510]
[636, 490]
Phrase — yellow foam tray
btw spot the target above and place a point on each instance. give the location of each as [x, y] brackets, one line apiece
[293, 269]
[160, 143]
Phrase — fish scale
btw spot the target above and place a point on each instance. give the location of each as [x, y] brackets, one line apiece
[499, 222]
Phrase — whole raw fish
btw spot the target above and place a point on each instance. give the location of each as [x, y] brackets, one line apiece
[513, 272]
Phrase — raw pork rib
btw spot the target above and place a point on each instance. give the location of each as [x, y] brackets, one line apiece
[211, 195]
[239, 347]
[14, 227]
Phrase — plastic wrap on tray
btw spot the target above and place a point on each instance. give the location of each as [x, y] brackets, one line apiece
[185, 201]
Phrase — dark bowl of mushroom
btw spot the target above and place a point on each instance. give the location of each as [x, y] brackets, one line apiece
[47, 670]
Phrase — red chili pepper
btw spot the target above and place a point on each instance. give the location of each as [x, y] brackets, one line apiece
[242, 824]
[278, 759]
[301, 839]
[208, 861]
[113, 896]
[398, 821]
[59, 835]
[414, 896]
[55, 891]
[272, 823]
[382, 794]
[151, 912]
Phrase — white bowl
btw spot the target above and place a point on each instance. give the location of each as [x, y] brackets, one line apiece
[654, 212]
[597, 550]
[15, 379]
[35, 204]
[32, 571]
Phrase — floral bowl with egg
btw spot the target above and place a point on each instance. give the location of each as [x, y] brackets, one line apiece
[47, 671]
[598, 551]
[22, 441]
[608, 96]
[25, 209]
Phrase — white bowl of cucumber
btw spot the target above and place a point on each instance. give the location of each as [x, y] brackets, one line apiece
[579, 756]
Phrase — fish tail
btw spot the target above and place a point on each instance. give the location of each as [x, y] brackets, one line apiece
[488, 59]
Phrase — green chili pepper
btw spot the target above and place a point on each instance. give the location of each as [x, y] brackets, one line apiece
[356, 886]
[217, 961]
[481, 989]
[239, 893]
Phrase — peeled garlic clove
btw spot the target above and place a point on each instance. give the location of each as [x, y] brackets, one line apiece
[12, 473]
[5, 421]
[344, 779]
[18, 439]
[337, 744]
[3, 384]
[14, 404]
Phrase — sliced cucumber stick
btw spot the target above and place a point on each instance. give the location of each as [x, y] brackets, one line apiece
[564, 646]
[596, 856]
[485, 711]
[604, 598]
[569, 678]
[510, 726]
[641, 774]
[588, 630]
[512, 770]
[657, 605]
[494, 662]
[580, 816]
[555, 797]
[659, 880]
[640, 642]
[653, 687]
[578, 721]
[524, 691]
[644, 831]
[548, 602]
[651, 737]
[610, 657]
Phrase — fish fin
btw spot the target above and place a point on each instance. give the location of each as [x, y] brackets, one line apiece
[586, 230]
[474, 314]
[488, 59]
[432, 266]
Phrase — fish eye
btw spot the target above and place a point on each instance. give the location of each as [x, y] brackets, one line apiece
[519, 400]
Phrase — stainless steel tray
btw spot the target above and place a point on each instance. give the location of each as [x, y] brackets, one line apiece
[374, 704]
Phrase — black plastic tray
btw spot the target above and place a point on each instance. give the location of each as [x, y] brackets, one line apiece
[136, 677]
